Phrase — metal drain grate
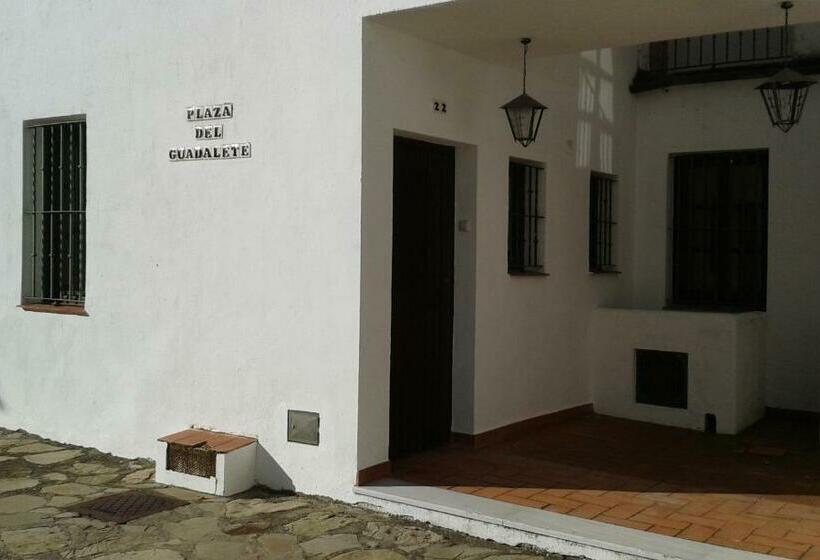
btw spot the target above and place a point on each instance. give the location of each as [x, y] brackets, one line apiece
[125, 506]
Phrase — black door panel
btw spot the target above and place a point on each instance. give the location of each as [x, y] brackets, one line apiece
[421, 353]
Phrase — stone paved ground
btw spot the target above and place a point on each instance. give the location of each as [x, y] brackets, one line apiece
[39, 479]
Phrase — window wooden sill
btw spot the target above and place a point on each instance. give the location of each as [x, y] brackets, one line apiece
[729, 310]
[527, 273]
[604, 272]
[56, 309]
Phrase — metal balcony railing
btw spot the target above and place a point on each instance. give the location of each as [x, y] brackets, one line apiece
[739, 55]
[756, 46]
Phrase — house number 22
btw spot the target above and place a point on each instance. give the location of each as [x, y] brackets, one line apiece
[439, 106]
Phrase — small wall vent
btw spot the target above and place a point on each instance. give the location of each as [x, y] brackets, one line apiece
[196, 461]
[662, 378]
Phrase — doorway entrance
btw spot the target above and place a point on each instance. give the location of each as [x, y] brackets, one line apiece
[421, 347]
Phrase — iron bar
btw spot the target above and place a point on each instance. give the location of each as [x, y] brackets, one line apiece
[60, 252]
[51, 216]
[70, 207]
[34, 154]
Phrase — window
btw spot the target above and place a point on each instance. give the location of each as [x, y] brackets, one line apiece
[54, 198]
[719, 230]
[525, 243]
[601, 222]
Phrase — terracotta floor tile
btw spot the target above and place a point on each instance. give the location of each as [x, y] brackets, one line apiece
[766, 507]
[519, 501]
[807, 527]
[625, 511]
[750, 498]
[628, 497]
[558, 492]
[491, 492]
[776, 528]
[668, 531]
[623, 522]
[661, 521]
[786, 553]
[793, 536]
[668, 500]
[557, 509]
[465, 489]
[740, 545]
[546, 499]
[650, 478]
[778, 543]
[734, 531]
[525, 492]
[660, 511]
[592, 492]
[697, 533]
[753, 520]
[732, 507]
[599, 500]
[588, 511]
[699, 507]
[698, 520]
[797, 511]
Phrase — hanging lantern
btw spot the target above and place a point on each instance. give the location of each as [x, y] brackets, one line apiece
[524, 113]
[785, 96]
[785, 93]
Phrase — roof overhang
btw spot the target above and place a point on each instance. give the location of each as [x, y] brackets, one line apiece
[490, 29]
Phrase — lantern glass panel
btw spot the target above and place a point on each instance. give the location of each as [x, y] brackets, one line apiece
[524, 123]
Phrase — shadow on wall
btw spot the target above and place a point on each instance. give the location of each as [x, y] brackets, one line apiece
[269, 473]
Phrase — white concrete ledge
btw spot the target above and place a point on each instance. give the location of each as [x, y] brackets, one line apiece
[552, 532]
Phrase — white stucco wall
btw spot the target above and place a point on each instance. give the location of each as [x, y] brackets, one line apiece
[219, 294]
[731, 116]
[529, 332]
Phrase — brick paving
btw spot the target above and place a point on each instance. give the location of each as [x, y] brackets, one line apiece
[758, 492]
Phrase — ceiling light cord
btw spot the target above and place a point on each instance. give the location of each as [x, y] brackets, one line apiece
[787, 46]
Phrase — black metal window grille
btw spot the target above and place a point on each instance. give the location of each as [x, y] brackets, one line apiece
[719, 230]
[526, 219]
[54, 205]
[737, 48]
[602, 222]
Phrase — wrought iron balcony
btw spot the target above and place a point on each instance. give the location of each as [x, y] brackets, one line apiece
[737, 55]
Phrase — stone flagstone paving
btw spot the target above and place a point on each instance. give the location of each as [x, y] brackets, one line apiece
[40, 479]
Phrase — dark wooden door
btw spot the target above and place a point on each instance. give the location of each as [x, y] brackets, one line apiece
[421, 350]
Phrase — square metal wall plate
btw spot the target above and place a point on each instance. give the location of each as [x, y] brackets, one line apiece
[303, 427]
